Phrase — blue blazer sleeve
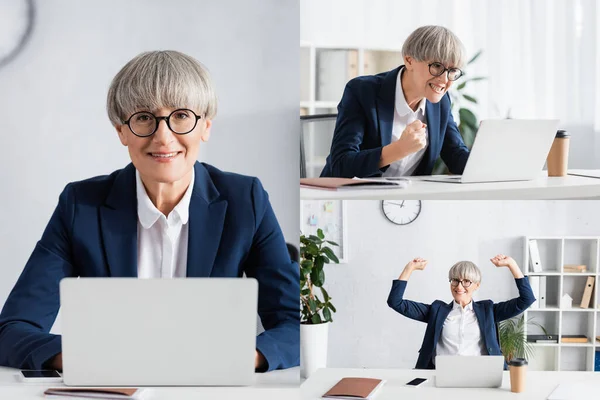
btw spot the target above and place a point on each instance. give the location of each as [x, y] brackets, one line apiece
[279, 287]
[410, 309]
[31, 307]
[514, 307]
[454, 152]
[347, 158]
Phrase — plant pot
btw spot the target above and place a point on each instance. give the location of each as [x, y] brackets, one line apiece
[313, 348]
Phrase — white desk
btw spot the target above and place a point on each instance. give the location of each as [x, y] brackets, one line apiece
[281, 384]
[568, 187]
[539, 384]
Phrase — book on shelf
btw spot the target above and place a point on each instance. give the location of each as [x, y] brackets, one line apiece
[354, 183]
[574, 268]
[542, 338]
[574, 339]
[534, 256]
[354, 388]
[587, 292]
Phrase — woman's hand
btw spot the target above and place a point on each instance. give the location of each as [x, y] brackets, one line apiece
[415, 264]
[413, 139]
[505, 261]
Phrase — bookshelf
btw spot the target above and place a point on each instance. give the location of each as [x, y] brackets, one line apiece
[554, 253]
[324, 72]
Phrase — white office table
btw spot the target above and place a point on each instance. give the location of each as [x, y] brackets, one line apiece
[543, 188]
[281, 384]
[539, 384]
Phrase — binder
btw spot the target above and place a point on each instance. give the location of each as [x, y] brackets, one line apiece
[534, 282]
[534, 256]
[542, 294]
[587, 292]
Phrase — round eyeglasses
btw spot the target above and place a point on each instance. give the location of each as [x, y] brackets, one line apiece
[465, 282]
[180, 121]
[437, 69]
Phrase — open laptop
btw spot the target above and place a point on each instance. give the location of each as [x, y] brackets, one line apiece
[506, 150]
[158, 332]
[469, 371]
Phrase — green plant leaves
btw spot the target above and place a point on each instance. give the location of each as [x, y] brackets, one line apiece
[475, 57]
[329, 253]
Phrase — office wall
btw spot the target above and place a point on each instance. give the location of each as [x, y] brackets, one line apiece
[52, 101]
[366, 332]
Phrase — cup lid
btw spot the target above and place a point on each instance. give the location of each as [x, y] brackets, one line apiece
[562, 134]
[517, 362]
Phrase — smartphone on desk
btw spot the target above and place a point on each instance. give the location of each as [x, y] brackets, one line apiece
[41, 376]
[416, 382]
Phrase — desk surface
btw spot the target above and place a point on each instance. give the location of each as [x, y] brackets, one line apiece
[539, 384]
[568, 187]
[281, 384]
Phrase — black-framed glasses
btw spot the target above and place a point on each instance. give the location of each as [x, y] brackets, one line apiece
[437, 69]
[180, 121]
[465, 282]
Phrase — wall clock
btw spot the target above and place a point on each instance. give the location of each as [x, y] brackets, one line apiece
[16, 25]
[401, 212]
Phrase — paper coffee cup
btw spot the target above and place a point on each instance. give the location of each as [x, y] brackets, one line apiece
[558, 157]
[518, 370]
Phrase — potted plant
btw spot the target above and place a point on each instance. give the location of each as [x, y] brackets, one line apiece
[315, 302]
[513, 341]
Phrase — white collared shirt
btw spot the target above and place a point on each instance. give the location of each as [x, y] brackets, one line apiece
[461, 335]
[404, 116]
[162, 241]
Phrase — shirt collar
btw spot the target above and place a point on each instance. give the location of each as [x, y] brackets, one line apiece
[402, 107]
[468, 307]
[148, 214]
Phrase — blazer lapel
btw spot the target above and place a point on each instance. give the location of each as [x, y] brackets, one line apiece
[207, 217]
[481, 320]
[118, 223]
[440, 318]
[386, 101]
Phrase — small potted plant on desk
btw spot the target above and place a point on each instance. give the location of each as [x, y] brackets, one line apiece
[316, 311]
[513, 341]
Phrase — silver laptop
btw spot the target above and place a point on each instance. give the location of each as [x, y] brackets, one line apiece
[506, 150]
[158, 332]
[469, 371]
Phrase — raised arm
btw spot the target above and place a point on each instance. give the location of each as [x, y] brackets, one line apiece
[408, 308]
[513, 307]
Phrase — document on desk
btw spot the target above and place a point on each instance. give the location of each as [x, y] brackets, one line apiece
[95, 393]
[574, 391]
[355, 388]
[354, 183]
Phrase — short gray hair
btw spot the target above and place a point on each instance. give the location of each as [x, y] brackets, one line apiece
[161, 79]
[435, 43]
[465, 270]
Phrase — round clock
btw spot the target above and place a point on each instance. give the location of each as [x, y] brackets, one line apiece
[16, 27]
[401, 212]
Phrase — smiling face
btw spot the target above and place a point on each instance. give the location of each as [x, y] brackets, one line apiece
[165, 157]
[465, 278]
[433, 88]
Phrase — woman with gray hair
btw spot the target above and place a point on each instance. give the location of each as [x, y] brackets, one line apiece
[399, 122]
[165, 215]
[462, 327]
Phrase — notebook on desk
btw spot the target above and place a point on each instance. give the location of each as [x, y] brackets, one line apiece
[354, 183]
[354, 388]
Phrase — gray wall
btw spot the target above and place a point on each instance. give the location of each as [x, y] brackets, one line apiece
[52, 101]
[366, 332]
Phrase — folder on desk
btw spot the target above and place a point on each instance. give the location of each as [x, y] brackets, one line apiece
[354, 388]
[354, 183]
[95, 393]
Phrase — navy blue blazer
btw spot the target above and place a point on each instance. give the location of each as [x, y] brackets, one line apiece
[488, 315]
[364, 126]
[93, 233]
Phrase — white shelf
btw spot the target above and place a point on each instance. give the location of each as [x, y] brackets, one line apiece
[555, 252]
